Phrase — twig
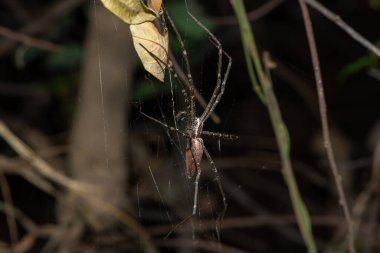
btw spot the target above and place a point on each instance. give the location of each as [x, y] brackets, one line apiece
[28, 240]
[325, 124]
[252, 15]
[77, 188]
[43, 22]
[37, 162]
[21, 217]
[16, 166]
[9, 210]
[28, 40]
[344, 26]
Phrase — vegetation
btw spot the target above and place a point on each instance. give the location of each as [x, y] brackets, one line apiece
[93, 154]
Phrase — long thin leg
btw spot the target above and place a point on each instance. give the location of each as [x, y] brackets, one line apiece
[191, 104]
[176, 69]
[211, 106]
[219, 182]
[163, 124]
[197, 178]
[196, 191]
[220, 84]
[220, 135]
[217, 86]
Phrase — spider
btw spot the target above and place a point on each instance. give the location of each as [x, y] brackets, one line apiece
[193, 133]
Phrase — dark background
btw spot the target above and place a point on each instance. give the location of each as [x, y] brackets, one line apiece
[47, 99]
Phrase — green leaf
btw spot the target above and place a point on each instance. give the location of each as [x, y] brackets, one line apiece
[357, 65]
[132, 12]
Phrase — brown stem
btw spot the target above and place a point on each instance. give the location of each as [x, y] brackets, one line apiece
[325, 124]
[28, 40]
[11, 220]
[344, 26]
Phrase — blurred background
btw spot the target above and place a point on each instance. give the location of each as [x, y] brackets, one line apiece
[105, 178]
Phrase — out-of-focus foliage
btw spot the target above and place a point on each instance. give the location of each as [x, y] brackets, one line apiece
[146, 90]
[184, 23]
[358, 65]
[67, 59]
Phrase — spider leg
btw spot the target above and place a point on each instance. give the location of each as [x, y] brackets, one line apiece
[220, 87]
[218, 181]
[191, 104]
[220, 135]
[221, 81]
[217, 88]
[197, 178]
[171, 128]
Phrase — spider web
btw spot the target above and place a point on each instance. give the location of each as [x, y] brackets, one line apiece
[163, 195]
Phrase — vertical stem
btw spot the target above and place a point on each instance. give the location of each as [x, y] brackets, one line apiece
[325, 124]
[262, 85]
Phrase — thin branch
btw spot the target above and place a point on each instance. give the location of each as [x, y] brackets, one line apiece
[26, 222]
[43, 22]
[325, 124]
[10, 212]
[81, 190]
[344, 26]
[29, 240]
[37, 162]
[28, 40]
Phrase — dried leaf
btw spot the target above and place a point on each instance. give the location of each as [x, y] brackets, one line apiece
[131, 11]
[151, 47]
[155, 5]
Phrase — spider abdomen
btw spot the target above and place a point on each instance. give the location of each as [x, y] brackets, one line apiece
[194, 153]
